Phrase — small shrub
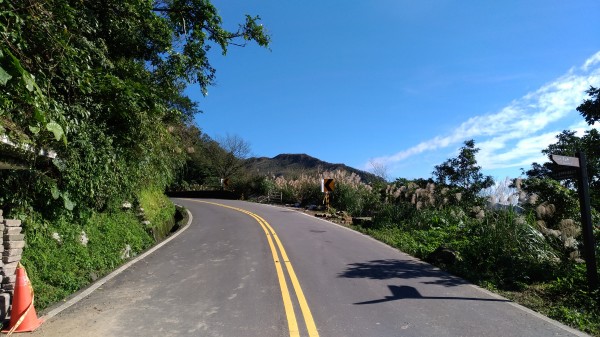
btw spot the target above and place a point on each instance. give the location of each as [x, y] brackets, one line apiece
[507, 248]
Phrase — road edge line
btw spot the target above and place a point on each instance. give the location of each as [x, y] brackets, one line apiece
[89, 290]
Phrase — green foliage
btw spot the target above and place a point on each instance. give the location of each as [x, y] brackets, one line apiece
[225, 157]
[251, 186]
[304, 190]
[196, 171]
[109, 77]
[564, 200]
[100, 84]
[574, 303]
[390, 214]
[58, 267]
[357, 199]
[159, 210]
[208, 161]
[463, 172]
[507, 249]
[590, 108]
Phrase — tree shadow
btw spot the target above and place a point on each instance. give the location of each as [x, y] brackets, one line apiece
[407, 292]
[403, 269]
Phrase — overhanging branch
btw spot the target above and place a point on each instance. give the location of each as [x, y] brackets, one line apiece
[171, 10]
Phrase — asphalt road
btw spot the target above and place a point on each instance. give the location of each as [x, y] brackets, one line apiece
[244, 269]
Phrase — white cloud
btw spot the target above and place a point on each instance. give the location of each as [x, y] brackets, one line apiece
[523, 153]
[510, 137]
[591, 62]
[582, 126]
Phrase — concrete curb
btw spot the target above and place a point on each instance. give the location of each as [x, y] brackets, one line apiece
[87, 291]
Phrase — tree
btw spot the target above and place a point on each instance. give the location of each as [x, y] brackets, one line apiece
[101, 83]
[196, 170]
[380, 169]
[590, 143]
[226, 155]
[590, 108]
[568, 144]
[463, 172]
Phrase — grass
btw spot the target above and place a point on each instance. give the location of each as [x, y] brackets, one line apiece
[59, 267]
[59, 264]
[159, 210]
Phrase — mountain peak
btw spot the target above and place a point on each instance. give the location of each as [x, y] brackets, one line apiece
[293, 165]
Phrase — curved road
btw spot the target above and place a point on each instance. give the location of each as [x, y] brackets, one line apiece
[244, 269]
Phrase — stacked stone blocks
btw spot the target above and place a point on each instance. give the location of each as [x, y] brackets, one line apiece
[14, 242]
[11, 247]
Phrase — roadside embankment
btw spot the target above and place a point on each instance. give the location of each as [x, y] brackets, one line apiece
[66, 254]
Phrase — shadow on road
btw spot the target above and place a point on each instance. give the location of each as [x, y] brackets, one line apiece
[404, 269]
[407, 292]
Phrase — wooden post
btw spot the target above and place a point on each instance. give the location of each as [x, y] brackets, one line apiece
[589, 245]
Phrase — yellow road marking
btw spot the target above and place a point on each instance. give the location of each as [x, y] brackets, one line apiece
[308, 318]
[285, 294]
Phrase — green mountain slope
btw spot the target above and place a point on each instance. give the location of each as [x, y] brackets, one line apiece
[294, 165]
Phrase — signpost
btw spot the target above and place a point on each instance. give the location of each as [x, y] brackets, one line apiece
[576, 167]
[327, 185]
[224, 182]
[562, 173]
[565, 161]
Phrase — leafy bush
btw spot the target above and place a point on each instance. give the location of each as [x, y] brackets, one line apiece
[506, 247]
[357, 200]
[390, 214]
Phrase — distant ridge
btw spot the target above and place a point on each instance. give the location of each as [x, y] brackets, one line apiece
[293, 165]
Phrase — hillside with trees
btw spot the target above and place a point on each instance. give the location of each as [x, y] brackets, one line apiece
[291, 165]
[101, 86]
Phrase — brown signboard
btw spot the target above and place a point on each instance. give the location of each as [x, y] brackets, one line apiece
[563, 172]
[565, 161]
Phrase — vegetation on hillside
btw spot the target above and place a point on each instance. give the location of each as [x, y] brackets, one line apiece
[100, 85]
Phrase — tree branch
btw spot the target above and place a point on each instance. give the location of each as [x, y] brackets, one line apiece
[171, 10]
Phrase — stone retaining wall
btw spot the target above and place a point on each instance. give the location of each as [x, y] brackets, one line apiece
[13, 242]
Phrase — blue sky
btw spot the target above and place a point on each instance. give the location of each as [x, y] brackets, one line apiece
[405, 83]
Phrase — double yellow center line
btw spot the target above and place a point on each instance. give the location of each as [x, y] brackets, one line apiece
[285, 293]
